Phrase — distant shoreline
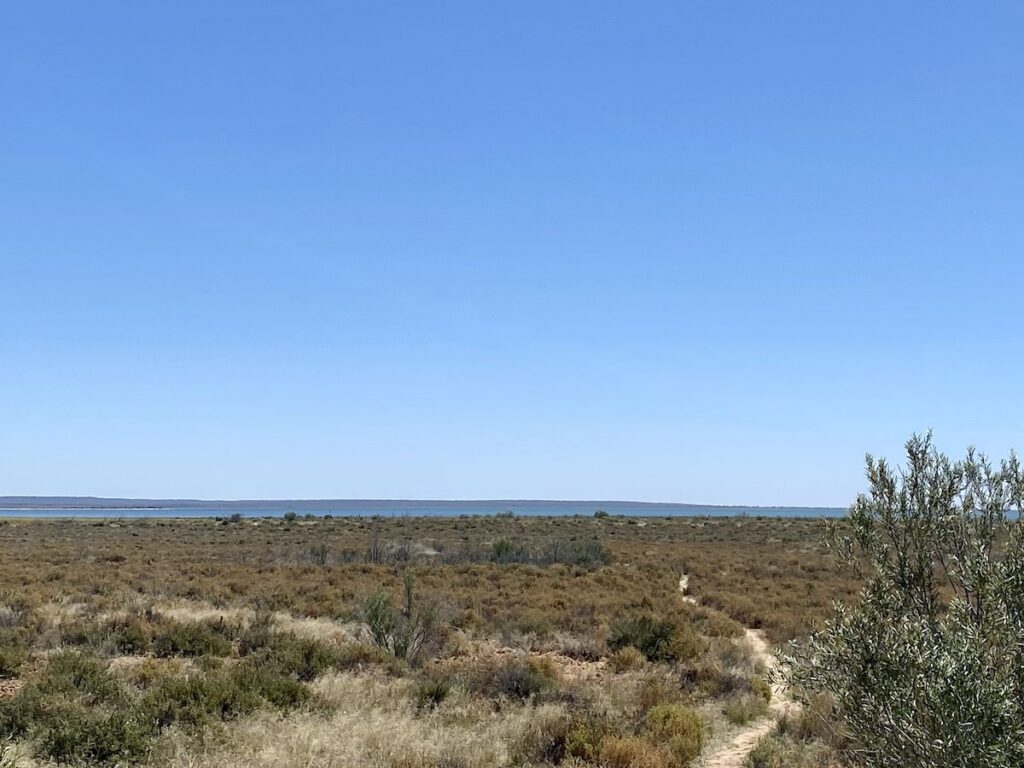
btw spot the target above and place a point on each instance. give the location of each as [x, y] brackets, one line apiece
[25, 503]
[27, 507]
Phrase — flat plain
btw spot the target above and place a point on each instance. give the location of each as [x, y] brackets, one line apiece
[471, 641]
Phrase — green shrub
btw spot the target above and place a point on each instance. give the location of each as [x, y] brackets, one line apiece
[76, 711]
[272, 685]
[305, 658]
[193, 701]
[583, 648]
[128, 636]
[587, 553]
[686, 644]
[680, 729]
[408, 633]
[630, 752]
[20, 712]
[654, 690]
[70, 732]
[742, 709]
[12, 652]
[650, 636]
[431, 691]
[193, 638]
[586, 733]
[318, 553]
[626, 659]
[760, 687]
[777, 751]
[511, 678]
[707, 679]
[657, 639]
[504, 551]
[932, 649]
[78, 675]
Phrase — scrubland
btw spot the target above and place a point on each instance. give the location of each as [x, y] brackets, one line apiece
[394, 642]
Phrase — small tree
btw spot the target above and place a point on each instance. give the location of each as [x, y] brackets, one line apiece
[406, 632]
[928, 669]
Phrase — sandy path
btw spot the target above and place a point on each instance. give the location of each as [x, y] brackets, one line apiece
[732, 752]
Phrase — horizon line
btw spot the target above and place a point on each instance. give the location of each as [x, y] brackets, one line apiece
[147, 501]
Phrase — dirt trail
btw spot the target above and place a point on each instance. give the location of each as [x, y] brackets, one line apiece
[733, 751]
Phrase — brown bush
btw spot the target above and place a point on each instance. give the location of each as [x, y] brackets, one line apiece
[631, 752]
[626, 659]
[680, 729]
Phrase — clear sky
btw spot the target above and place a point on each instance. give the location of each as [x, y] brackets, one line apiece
[681, 251]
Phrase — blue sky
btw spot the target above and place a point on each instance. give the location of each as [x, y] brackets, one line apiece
[708, 252]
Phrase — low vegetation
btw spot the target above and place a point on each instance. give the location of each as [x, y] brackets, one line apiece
[386, 642]
[516, 641]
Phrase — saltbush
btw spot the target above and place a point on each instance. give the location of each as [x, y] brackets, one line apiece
[626, 659]
[742, 709]
[657, 639]
[542, 741]
[289, 654]
[511, 678]
[679, 729]
[431, 691]
[193, 638]
[586, 733]
[12, 652]
[70, 732]
[194, 701]
[630, 752]
[409, 632]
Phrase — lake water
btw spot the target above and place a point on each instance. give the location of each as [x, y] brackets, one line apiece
[357, 508]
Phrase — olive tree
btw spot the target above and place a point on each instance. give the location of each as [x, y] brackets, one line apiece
[926, 669]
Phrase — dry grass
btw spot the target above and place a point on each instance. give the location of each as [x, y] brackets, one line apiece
[763, 572]
[524, 670]
[375, 725]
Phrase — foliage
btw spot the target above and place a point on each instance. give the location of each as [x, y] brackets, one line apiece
[300, 657]
[779, 751]
[543, 741]
[586, 733]
[657, 639]
[504, 551]
[928, 669]
[193, 638]
[76, 711]
[12, 652]
[626, 659]
[678, 729]
[588, 553]
[511, 678]
[630, 752]
[431, 691]
[740, 710]
[406, 633]
[70, 732]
